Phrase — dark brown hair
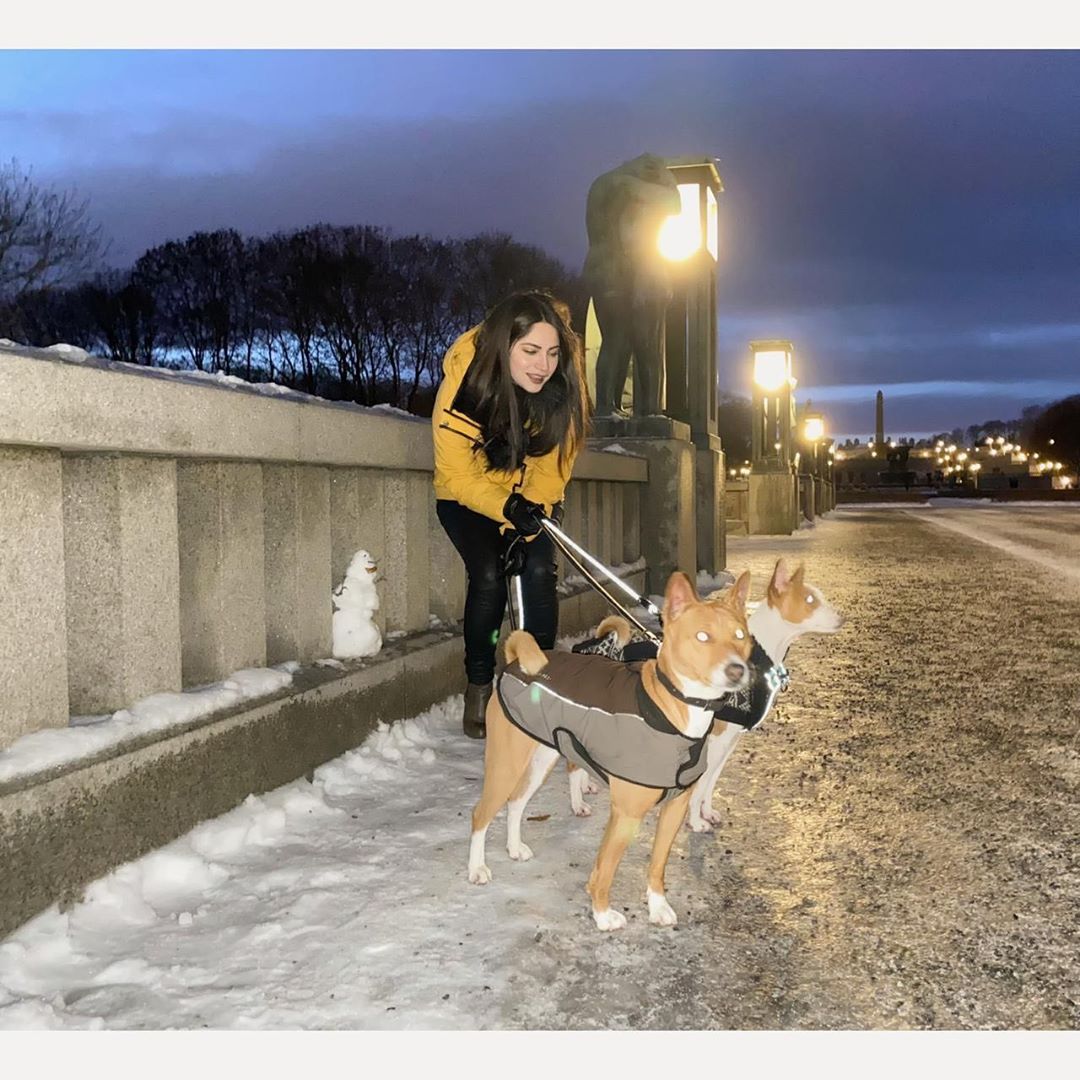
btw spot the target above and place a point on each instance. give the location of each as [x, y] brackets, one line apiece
[516, 423]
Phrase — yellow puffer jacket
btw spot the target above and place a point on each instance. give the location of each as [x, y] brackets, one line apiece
[460, 472]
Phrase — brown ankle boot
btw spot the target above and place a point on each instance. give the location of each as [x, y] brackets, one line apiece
[476, 699]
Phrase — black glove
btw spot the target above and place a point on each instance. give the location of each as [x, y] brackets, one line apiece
[556, 514]
[514, 555]
[523, 514]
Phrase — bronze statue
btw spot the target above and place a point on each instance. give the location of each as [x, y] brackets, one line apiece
[629, 280]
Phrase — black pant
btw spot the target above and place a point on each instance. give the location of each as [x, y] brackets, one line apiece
[481, 546]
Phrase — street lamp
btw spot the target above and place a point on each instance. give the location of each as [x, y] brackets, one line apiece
[773, 405]
[690, 241]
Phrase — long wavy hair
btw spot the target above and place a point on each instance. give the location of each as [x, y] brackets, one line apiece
[516, 423]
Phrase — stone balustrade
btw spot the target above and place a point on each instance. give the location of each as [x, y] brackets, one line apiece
[159, 531]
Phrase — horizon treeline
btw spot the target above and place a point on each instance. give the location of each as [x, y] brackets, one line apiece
[348, 312]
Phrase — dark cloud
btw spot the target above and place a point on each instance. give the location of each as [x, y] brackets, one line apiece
[889, 211]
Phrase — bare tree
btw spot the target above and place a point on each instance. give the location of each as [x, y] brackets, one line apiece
[46, 236]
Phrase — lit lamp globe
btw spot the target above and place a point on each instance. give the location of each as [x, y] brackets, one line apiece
[813, 431]
[695, 226]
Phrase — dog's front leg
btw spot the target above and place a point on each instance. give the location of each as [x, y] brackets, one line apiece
[718, 749]
[629, 804]
[667, 827]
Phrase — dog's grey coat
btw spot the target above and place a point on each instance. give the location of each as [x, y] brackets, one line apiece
[596, 713]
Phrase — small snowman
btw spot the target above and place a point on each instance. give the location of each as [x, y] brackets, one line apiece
[355, 603]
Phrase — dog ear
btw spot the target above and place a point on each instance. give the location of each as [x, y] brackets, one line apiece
[781, 576]
[678, 595]
[740, 593]
[797, 577]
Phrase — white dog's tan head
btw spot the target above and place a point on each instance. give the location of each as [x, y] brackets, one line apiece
[799, 603]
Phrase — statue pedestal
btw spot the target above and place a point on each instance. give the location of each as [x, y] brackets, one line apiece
[665, 441]
[668, 531]
[774, 506]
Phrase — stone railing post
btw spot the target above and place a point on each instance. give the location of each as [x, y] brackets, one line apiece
[121, 552]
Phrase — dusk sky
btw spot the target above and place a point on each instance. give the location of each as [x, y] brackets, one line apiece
[911, 220]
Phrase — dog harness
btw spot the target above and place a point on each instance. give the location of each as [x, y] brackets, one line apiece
[745, 708]
[596, 713]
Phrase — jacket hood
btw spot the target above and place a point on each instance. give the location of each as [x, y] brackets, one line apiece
[460, 355]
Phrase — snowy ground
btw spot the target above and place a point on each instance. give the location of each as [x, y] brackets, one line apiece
[899, 847]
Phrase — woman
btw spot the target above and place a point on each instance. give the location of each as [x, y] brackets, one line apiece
[509, 419]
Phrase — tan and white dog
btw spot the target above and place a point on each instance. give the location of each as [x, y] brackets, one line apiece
[706, 652]
[790, 609]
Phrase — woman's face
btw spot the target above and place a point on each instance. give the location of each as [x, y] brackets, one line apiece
[534, 357]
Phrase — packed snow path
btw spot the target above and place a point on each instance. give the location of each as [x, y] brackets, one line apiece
[899, 847]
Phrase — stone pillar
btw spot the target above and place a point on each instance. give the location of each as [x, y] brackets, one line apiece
[448, 580]
[573, 521]
[709, 494]
[668, 527]
[593, 537]
[631, 522]
[613, 502]
[406, 555]
[774, 503]
[222, 601]
[121, 553]
[296, 551]
[807, 502]
[33, 631]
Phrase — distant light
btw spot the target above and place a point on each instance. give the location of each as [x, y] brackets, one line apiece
[813, 428]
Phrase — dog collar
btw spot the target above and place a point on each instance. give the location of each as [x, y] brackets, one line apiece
[744, 708]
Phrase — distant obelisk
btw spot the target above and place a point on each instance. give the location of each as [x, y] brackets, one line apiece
[879, 436]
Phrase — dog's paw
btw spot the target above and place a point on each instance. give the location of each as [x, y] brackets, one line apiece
[591, 787]
[703, 819]
[479, 875]
[661, 912]
[522, 853]
[609, 919]
[583, 809]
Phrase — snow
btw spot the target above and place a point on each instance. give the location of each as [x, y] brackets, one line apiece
[336, 903]
[615, 448]
[88, 735]
[71, 352]
[393, 410]
[994, 525]
[880, 505]
[355, 602]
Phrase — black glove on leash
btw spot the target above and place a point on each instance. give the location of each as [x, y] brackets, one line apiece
[523, 514]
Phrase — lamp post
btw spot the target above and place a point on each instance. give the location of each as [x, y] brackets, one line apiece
[690, 242]
[773, 406]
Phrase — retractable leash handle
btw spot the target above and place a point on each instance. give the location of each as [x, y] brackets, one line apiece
[513, 564]
[579, 557]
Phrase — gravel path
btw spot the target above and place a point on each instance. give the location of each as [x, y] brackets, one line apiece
[900, 847]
